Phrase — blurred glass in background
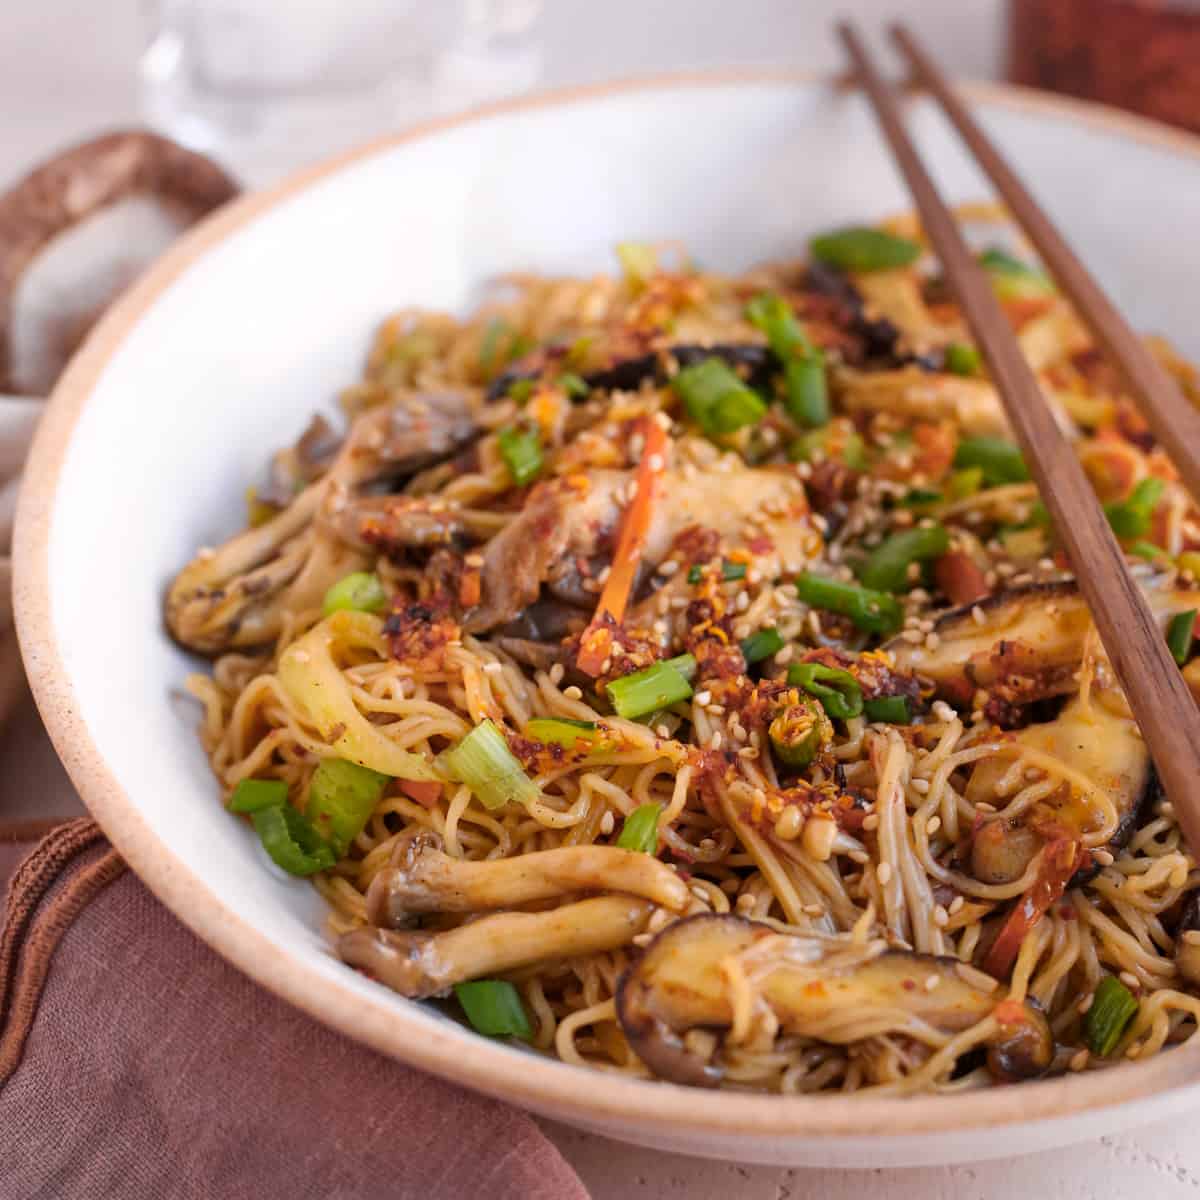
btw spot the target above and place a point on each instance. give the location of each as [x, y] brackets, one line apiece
[268, 85]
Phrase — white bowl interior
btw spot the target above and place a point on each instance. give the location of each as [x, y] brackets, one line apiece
[267, 324]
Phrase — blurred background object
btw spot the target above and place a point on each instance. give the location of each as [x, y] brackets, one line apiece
[1143, 55]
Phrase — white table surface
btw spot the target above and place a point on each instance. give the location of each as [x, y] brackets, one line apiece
[67, 70]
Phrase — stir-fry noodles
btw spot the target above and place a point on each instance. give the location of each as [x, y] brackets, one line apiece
[680, 673]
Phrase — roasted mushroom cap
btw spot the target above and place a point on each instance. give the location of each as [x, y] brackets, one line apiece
[832, 989]
[1096, 743]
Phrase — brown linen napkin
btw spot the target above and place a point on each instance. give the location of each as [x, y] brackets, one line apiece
[135, 1062]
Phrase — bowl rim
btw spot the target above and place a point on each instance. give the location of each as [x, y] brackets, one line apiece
[533, 1081]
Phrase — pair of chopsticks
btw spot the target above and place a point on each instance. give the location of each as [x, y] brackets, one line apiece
[1161, 702]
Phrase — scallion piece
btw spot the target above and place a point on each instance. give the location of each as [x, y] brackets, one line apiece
[861, 248]
[494, 1008]
[848, 448]
[773, 315]
[799, 733]
[716, 398]
[1013, 279]
[1189, 561]
[1148, 550]
[501, 344]
[342, 795]
[920, 498]
[999, 460]
[886, 567]
[291, 841]
[657, 686]
[251, 795]
[806, 395]
[729, 572]
[522, 453]
[1180, 633]
[762, 644]
[640, 831]
[561, 731]
[891, 710]
[964, 483]
[871, 611]
[360, 591]
[521, 389]
[962, 358]
[837, 690]
[483, 761]
[1112, 1008]
[572, 384]
[1130, 518]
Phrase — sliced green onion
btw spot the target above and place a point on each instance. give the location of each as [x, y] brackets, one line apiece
[861, 248]
[483, 761]
[762, 644]
[360, 591]
[871, 611]
[657, 686]
[891, 710]
[342, 795]
[501, 344]
[572, 384]
[1013, 279]
[1024, 543]
[1148, 550]
[250, 795]
[773, 315]
[837, 690]
[886, 567]
[1189, 561]
[962, 359]
[638, 261]
[521, 450]
[920, 498]
[291, 841]
[1180, 633]
[799, 733]
[853, 450]
[494, 1008]
[729, 572]
[1112, 1008]
[561, 731]
[999, 459]
[806, 395]
[640, 831]
[1130, 518]
[716, 398]
[964, 483]
[521, 389]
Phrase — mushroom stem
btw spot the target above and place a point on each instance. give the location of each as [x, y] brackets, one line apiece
[423, 879]
[426, 964]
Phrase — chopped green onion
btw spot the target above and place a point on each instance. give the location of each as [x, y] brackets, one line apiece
[964, 483]
[342, 795]
[572, 384]
[729, 572]
[521, 389]
[762, 644]
[561, 731]
[291, 841]
[962, 359]
[640, 831]
[494, 1008]
[853, 451]
[1180, 633]
[1148, 550]
[1112, 1008]
[1130, 518]
[871, 611]
[501, 344]
[891, 710]
[864, 249]
[800, 732]
[522, 453]
[360, 591]
[807, 392]
[1189, 561]
[1024, 543]
[999, 459]
[1013, 279]
[886, 567]
[250, 795]
[483, 761]
[920, 497]
[716, 398]
[773, 315]
[657, 686]
[837, 690]
[638, 260]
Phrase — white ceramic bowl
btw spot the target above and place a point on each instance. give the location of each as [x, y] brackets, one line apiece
[221, 352]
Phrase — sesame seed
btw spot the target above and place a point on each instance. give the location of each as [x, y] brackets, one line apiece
[715, 741]
[932, 981]
[474, 559]
[933, 825]
[662, 731]
[871, 821]
[1129, 979]
[941, 918]
[607, 823]
[655, 462]
[493, 668]
[942, 711]
[813, 910]
[921, 786]
[643, 939]
[1086, 1003]
[703, 698]
[556, 673]
[932, 641]
[789, 824]
[1191, 936]
[744, 903]
[699, 893]
[883, 873]
[1103, 857]
[668, 567]
[1079, 1059]
[742, 602]
[573, 693]
[956, 904]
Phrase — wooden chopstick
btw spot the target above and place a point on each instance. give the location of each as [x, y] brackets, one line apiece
[1175, 422]
[1160, 700]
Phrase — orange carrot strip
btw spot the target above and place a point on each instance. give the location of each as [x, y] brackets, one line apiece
[596, 642]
